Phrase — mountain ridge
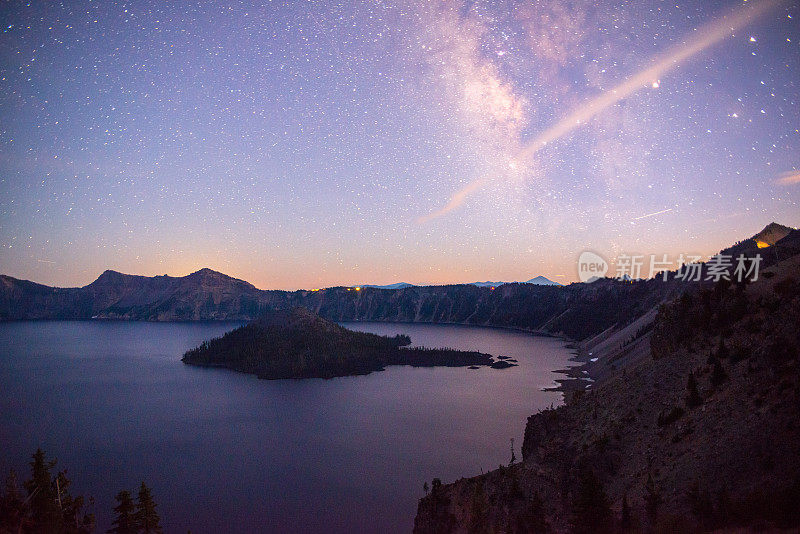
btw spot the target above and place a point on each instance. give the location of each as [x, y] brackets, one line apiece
[575, 311]
[560, 310]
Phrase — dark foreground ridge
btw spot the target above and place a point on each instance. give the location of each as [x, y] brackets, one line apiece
[691, 424]
[299, 344]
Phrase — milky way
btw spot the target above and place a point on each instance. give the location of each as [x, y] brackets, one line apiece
[307, 144]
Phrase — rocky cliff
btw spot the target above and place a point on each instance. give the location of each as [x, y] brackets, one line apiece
[691, 426]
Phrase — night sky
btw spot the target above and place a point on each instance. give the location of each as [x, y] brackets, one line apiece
[309, 144]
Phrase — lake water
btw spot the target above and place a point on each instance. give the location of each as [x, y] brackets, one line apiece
[227, 452]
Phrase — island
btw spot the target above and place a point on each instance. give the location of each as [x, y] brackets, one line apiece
[297, 343]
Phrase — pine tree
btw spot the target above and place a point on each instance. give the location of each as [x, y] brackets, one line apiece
[718, 374]
[625, 522]
[693, 397]
[652, 500]
[479, 521]
[71, 507]
[591, 513]
[12, 487]
[146, 516]
[722, 350]
[532, 518]
[125, 521]
[12, 506]
[51, 507]
[701, 505]
[41, 492]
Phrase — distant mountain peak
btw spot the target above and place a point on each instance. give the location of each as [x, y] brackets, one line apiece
[109, 276]
[206, 271]
[771, 234]
[538, 280]
[111, 273]
[210, 274]
[397, 285]
[542, 281]
[488, 283]
[210, 277]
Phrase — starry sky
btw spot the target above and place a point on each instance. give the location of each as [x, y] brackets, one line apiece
[307, 144]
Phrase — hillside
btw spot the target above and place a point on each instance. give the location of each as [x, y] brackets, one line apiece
[203, 295]
[299, 344]
[691, 425]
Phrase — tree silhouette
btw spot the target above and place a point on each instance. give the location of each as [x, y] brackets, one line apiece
[48, 507]
[718, 374]
[652, 499]
[479, 521]
[146, 516]
[722, 350]
[12, 505]
[693, 398]
[532, 518]
[626, 521]
[125, 521]
[591, 512]
[41, 491]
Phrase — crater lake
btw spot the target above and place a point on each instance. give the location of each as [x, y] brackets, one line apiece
[225, 451]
